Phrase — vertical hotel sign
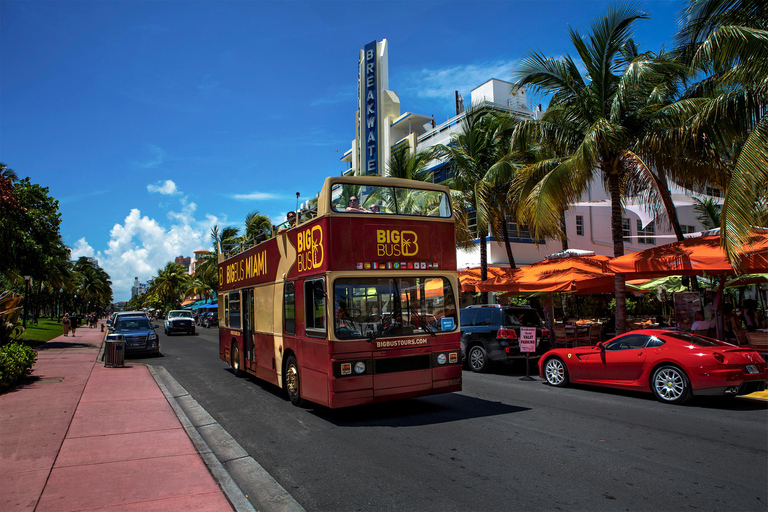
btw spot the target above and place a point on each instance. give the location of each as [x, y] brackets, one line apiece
[369, 111]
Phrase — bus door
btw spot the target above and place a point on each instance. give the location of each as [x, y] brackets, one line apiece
[250, 353]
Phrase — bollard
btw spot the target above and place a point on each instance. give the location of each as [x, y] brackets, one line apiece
[102, 327]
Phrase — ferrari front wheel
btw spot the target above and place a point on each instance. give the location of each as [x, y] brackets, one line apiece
[556, 372]
[670, 384]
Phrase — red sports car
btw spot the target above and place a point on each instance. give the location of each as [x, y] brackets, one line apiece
[672, 365]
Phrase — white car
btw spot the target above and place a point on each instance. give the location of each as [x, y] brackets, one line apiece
[180, 321]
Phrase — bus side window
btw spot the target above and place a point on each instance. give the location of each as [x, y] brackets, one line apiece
[234, 310]
[289, 308]
[314, 307]
[226, 309]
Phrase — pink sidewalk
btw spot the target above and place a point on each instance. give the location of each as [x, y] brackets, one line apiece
[84, 437]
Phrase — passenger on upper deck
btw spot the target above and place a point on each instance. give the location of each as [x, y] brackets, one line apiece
[290, 217]
[354, 205]
[375, 208]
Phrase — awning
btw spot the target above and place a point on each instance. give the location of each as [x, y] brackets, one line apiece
[579, 274]
[689, 257]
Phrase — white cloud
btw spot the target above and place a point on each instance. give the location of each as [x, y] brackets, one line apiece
[140, 246]
[167, 188]
[257, 196]
[441, 83]
[82, 248]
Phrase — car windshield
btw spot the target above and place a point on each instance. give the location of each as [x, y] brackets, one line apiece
[133, 324]
[695, 340]
[177, 314]
[374, 307]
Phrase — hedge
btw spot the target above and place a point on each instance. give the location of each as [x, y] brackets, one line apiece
[16, 361]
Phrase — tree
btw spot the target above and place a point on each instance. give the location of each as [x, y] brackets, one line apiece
[473, 152]
[593, 122]
[257, 225]
[728, 42]
[411, 166]
[29, 232]
[170, 283]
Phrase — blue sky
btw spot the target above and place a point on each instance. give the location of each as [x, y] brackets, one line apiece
[151, 122]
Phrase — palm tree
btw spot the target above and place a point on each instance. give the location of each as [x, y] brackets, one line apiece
[707, 212]
[475, 154]
[257, 225]
[169, 284]
[411, 166]
[594, 122]
[728, 41]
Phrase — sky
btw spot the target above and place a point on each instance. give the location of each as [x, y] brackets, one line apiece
[151, 122]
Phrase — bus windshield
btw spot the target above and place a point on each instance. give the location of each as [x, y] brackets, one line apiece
[369, 307]
[389, 200]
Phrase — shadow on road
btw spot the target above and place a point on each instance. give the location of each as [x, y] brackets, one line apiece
[416, 412]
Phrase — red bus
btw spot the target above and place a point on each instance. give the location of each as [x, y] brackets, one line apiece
[353, 305]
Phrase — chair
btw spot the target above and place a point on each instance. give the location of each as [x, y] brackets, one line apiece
[594, 335]
[758, 341]
[562, 339]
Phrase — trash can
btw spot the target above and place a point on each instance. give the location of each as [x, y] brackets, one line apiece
[114, 353]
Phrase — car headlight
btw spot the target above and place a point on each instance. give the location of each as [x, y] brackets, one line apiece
[359, 367]
[152, 336]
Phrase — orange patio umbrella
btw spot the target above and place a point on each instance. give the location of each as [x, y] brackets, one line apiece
[689, 257]
[471, 276]
[580, 274]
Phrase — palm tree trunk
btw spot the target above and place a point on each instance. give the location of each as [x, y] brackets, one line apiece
[669, 206]
[614, 184]
[564, 238]
[508, 247]
[674, 221]
[483, 265]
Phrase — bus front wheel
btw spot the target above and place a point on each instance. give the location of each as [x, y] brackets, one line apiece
[234, 361]
[292, 384]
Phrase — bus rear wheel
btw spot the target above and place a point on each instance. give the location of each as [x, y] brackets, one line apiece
[234, 360]
[292, 384]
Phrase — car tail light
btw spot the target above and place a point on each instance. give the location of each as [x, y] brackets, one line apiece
[545, 333]
[506, 334]
[720, 357]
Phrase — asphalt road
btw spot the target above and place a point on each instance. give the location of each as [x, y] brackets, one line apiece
[500, 444]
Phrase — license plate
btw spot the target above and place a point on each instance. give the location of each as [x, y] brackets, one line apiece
[751, 368]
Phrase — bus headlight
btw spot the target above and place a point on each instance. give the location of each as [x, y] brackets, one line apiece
[441, 359]
[359, 367]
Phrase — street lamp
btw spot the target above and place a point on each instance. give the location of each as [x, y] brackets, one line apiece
[26, 294]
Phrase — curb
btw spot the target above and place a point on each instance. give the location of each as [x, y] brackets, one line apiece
[254, 486]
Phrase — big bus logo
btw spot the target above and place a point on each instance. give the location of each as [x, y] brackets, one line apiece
[310, 249]
[391, 242]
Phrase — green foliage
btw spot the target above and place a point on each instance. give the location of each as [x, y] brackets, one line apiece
[16, 361]
[10, 311]
[631, 307]
[29, 231]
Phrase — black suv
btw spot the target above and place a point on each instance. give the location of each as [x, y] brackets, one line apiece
[491, 332]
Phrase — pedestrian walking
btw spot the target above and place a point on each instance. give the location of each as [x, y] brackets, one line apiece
[65, 323]
[74, 320]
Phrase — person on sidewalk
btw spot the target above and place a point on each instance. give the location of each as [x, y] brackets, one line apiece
[74, 320]
[65, 324]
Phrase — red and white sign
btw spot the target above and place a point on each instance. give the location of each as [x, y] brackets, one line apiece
[527, 339]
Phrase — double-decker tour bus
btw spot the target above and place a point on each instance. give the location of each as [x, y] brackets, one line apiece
[352, 305]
